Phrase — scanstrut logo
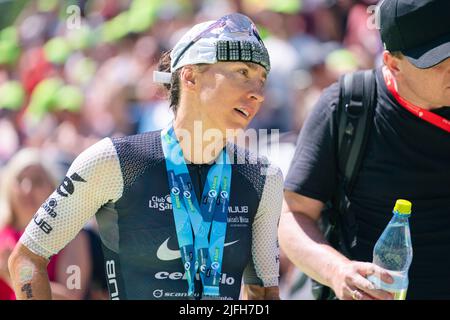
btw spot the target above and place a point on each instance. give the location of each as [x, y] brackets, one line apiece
[160, 203]
[159, 293]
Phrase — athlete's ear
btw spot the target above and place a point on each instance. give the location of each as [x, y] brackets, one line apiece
[188, 77]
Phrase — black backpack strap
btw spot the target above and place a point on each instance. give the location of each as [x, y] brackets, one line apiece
[355, 116]
[355, 119]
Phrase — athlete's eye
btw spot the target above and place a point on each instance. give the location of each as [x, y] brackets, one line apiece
[243, 72]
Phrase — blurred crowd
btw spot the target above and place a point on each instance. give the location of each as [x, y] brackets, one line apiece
[75, 71]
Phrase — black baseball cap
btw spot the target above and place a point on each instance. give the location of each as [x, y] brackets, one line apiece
[420, 29]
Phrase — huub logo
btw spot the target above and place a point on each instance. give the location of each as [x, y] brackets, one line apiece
[238, 209]
[42, 224]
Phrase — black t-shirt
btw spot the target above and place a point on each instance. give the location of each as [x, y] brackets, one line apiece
[406, 158]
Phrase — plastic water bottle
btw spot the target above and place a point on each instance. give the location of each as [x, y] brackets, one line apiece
[393, 251]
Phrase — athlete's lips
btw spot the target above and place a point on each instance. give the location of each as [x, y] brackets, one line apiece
[245, 111]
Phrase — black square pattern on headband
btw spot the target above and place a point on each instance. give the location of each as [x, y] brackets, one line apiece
[235, 50]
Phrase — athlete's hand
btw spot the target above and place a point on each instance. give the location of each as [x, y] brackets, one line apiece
[349, 281]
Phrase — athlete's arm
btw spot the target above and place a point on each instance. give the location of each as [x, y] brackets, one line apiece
[305, 245]
[94, 179]
[263, 284]
[32, 273]
[29, 274]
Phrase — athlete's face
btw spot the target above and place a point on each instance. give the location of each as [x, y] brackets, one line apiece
[427, 87]
[231, 93]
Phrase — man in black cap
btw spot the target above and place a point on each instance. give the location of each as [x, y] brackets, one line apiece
[406, 155]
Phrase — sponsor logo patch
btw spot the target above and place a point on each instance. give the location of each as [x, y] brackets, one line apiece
[49, 207]
[160, 203]
[67, 187]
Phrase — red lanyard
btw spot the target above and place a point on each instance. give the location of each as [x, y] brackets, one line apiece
[426, 115]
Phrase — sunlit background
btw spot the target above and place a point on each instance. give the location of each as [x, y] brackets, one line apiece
[73, 72]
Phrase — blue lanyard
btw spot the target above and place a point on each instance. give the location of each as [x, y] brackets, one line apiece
[199, 254]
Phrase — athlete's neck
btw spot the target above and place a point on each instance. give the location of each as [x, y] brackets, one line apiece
[200, 144]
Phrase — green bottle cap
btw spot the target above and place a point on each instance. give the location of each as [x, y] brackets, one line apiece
[403, 207]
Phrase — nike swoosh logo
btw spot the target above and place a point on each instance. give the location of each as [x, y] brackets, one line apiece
[166, 254]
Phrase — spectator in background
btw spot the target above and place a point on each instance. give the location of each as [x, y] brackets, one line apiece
[26, 181]
[11, 100]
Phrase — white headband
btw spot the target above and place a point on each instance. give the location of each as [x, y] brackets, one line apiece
[231, 38]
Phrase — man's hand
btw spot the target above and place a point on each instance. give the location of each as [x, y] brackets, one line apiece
[350, 283]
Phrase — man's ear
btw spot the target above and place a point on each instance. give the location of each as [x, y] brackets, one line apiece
[391, 62]
[188, 77]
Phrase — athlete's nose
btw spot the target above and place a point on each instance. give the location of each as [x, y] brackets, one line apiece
[256, 93]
